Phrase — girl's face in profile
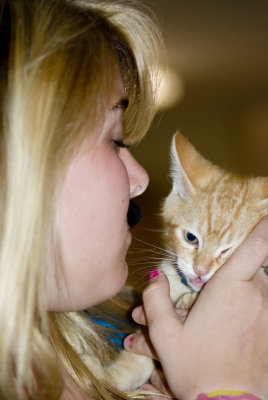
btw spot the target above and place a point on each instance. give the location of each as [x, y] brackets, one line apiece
[94, 235]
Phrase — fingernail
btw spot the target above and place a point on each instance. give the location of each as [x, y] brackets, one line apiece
[129, 341]
[153, 274]
[136, 313]
[144, 387]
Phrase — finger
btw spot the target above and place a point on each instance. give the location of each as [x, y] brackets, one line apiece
[138, 315]
[160, 314]
[251, 254]
[265, 264]
[261, 282]
[155, 394]
[158, 380]
[139, 344]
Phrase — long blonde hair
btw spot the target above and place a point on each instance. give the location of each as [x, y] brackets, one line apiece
[55, 76]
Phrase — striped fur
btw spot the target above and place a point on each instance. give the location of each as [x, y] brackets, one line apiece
[218, 207]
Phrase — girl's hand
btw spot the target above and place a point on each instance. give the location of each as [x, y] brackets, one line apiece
[158, 385]
[223, 342]
[155, 394]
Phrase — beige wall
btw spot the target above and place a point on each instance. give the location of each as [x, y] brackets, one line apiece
[224, 111]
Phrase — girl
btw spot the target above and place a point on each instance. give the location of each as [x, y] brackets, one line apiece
[75, 75]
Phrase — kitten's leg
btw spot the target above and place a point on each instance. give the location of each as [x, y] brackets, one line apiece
[129, 371]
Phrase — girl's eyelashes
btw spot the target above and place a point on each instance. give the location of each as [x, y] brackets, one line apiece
[121, 144]
[122, 104]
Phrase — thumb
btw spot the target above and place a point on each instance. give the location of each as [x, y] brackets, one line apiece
[161, 317]
[250, 255]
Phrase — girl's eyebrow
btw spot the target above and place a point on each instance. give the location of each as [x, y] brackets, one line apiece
[122, 104]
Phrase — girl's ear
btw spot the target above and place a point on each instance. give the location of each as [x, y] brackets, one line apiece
[189, 170]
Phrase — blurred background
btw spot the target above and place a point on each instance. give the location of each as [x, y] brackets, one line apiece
[218, 57]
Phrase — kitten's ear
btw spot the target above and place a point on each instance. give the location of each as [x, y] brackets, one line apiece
[189, 169]
[181, 183]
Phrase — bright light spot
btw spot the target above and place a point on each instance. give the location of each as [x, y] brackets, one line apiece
[171, 90]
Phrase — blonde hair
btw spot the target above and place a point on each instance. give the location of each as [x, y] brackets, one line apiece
[55, 77]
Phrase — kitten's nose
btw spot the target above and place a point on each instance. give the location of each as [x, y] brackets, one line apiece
[200, 270]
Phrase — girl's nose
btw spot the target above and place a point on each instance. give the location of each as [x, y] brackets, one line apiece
[139, 180]
[138, 177]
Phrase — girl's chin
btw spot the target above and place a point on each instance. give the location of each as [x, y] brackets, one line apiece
[120, 282]
[129, 238]
[124, 274]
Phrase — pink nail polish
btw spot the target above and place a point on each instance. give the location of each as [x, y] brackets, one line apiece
[129, 341]
[153, 274]
[144, 387]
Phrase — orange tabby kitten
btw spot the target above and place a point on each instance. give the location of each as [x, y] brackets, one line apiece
[206, 216]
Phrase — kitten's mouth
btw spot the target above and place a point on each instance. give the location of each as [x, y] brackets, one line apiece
[197, 282]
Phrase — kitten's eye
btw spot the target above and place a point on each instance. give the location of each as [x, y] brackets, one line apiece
[190, 238]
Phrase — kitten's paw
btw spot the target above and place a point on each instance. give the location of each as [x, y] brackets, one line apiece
[184, 304]
[188, 300]
[129, 371]
[182, 313]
